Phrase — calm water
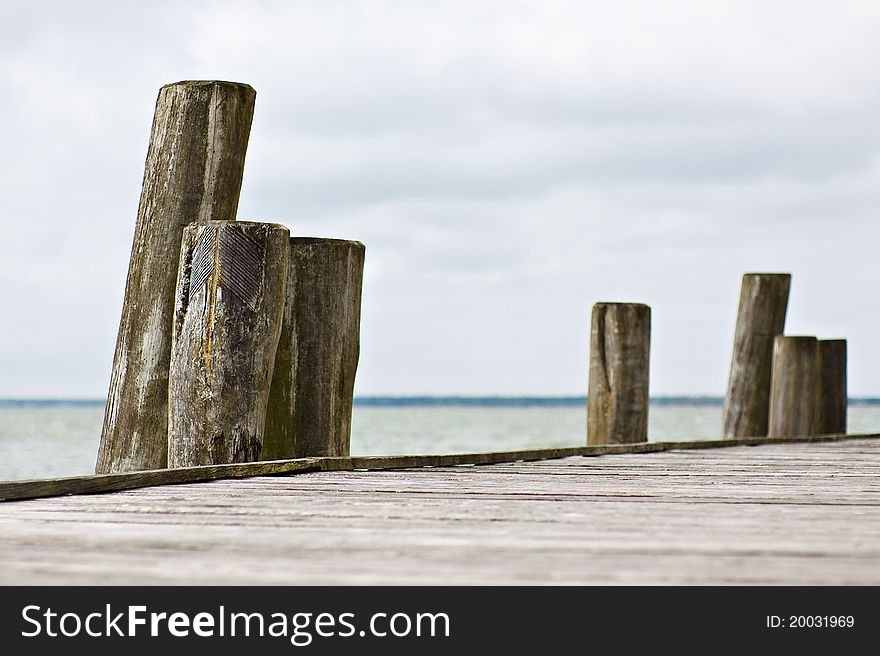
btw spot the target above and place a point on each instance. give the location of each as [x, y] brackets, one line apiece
[62, 440]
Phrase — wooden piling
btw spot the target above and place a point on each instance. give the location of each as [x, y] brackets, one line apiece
[793, 387]
[193, 172]
[763, 303]
[831, 392]
[313, 385]
[227, 322]
[617, 404]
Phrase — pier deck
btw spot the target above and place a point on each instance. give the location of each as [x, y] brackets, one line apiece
[779, 513]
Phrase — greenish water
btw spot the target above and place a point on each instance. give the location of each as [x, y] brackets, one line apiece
[41, 441]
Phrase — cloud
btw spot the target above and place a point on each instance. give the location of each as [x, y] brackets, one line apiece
[506, 163]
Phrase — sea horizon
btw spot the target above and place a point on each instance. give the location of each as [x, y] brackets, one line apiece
[47, 438]
[449, 400]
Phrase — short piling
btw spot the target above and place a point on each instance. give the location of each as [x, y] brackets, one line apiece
[831, 391]
[617, 404]
[310, 403]
[793, 387]
[227, 322]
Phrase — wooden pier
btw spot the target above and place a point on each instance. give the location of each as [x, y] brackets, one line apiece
[789, 511]
[232, 331]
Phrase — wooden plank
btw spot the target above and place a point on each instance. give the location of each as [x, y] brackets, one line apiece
[33, 489]
[805, 513]
[51, 487]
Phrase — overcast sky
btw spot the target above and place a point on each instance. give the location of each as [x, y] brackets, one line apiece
[507, 164]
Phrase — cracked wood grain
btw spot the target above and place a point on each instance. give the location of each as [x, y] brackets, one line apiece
[312, 390]
[763, 303]
[193, 172]
[617, 399]
[224, 344]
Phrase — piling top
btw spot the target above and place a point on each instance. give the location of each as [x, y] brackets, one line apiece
[753, 274]
[796, 338]
[243, 224]
[620, 304]
[207, 83]
[794, 344]
[324, 241]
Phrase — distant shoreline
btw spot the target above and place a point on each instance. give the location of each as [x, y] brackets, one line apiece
[452, 401]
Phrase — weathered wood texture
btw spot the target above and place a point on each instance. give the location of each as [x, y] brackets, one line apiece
[793, 386]
[74, 485]
[102, 483]
[193, 172]
[617, 400]
[763, 303]
[227, 322]
[831, 392]
[775, 514]
[313, 383]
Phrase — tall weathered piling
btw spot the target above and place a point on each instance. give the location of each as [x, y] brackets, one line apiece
[763, 302]
[313, 384]
[227, 322]
[793, 387]
[620, 343]
[193, 173]
[831, 393]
